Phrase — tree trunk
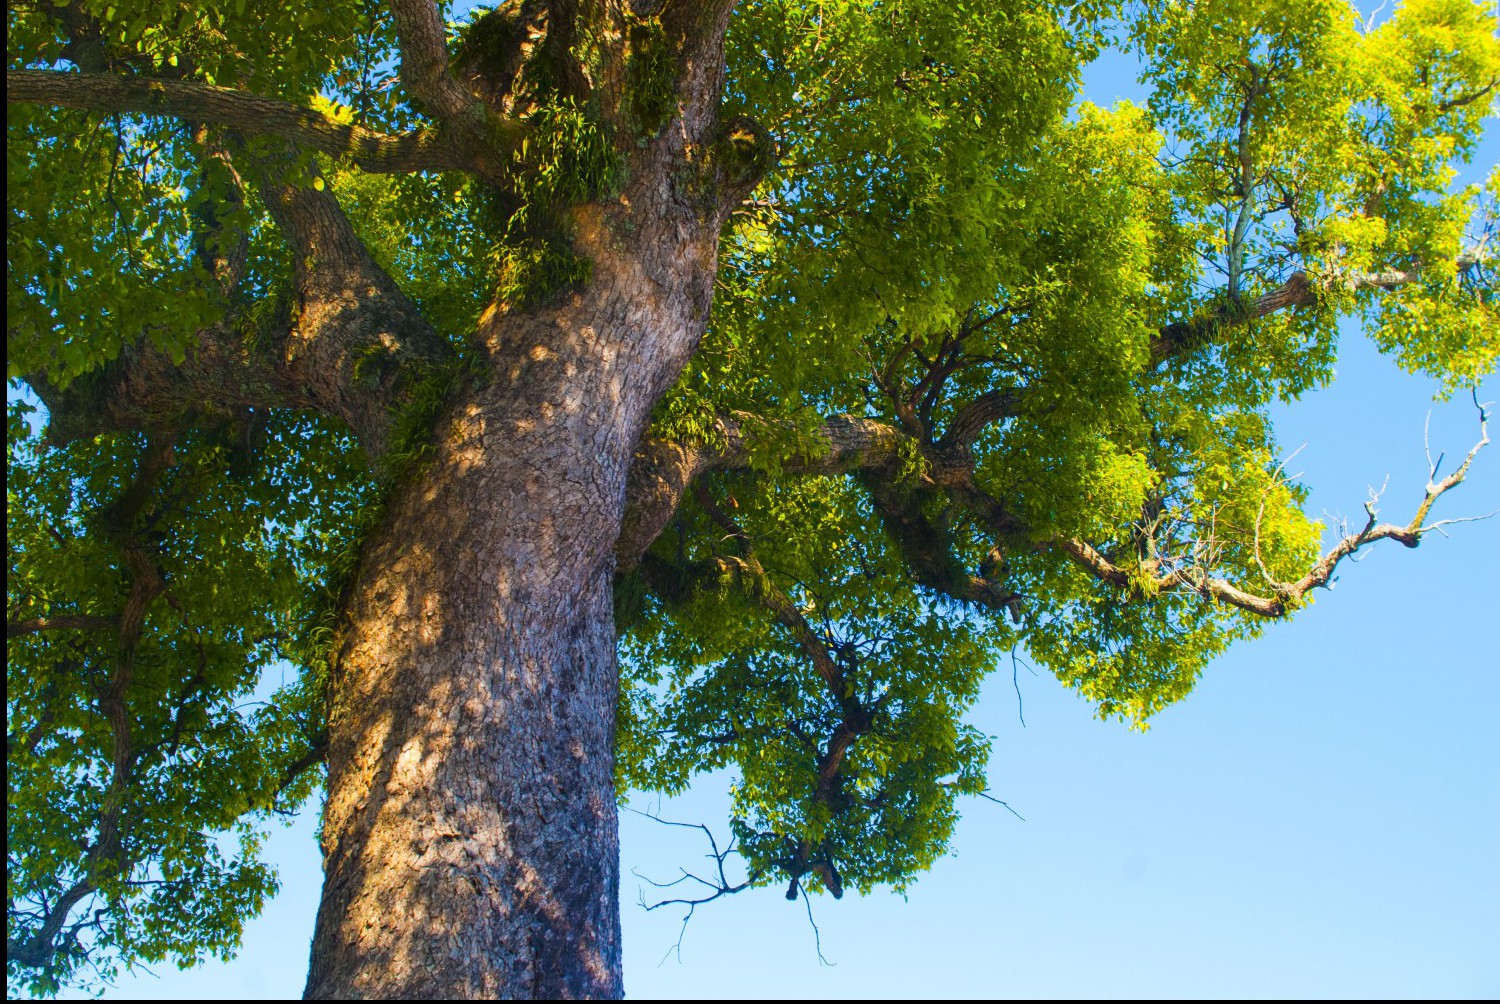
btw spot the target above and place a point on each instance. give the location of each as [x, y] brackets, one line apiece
[470, 839]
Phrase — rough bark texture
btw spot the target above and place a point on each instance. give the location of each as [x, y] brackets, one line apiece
[470, 834]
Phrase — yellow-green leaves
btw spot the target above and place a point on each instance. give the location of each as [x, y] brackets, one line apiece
[1308, 144]
[927, 197]
[891, 201]
[1434, 68]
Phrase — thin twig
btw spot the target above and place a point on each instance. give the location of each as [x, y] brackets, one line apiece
[1016, 682]
[817, 935]
[986, 795]
[719, 888]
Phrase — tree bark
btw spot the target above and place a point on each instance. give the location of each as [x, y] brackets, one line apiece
[470, 836]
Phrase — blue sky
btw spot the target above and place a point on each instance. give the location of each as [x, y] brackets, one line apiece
[1320, 818]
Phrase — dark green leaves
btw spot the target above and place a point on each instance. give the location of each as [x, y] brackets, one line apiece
[150, 585]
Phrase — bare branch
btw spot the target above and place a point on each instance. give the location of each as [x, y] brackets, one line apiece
[38, 949]
[721, 886]
[718, 887]
[817, 934]
[1015, 681]
[991, 798]
[1410, 535]
[1438, 526]
[1285, 596]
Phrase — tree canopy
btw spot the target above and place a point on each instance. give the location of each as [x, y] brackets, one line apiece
[988, 367]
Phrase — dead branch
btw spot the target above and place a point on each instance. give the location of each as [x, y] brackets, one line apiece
[719, 886]
[1286, 596]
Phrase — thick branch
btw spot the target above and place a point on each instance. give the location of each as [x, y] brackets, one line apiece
[37, 950]
[425, 70]
[564, 33]
[316, 754]
[424, 150]
[353, 348]
[927, 550]
[359, 344]
[698, 29]
[664, 470]
[1107, 571]
[62, 622]
[974, 418]
[423, 40]
[1298, 291]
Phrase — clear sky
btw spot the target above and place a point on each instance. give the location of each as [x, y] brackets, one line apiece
[1321, 817]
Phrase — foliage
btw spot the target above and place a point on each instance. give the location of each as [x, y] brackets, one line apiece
[159, 732]
[927, 188]
[940, 190]
[715, 683]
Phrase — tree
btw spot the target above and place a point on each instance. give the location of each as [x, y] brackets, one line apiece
[384, 346]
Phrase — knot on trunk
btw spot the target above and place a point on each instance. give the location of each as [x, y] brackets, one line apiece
[743, 153]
